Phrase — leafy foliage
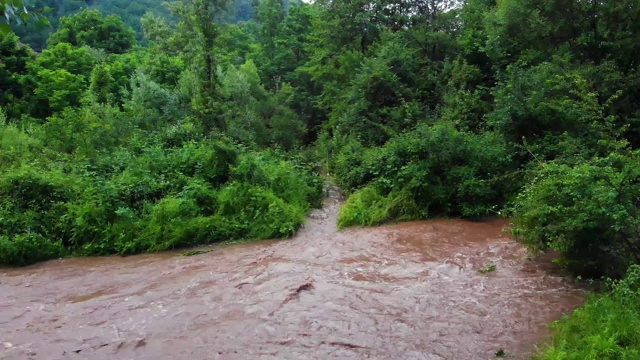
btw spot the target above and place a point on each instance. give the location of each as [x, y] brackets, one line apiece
[91, 28]
[18, 12]
[162, 198]
[588, 212]
[604, 328]
[433, 170]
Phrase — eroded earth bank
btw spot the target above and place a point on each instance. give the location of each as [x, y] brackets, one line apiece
[406, 291]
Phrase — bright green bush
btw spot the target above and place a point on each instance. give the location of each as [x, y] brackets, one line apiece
[293, 182]
[170, 223]
[248, 211]
[34, 201]
[88, 130]
[32, 214]
[589, 212]
[16, 146]
[367, 206]
[605, 328]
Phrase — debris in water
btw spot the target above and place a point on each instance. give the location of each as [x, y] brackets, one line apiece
[194, 252]
[489, 268]
[344, 344]
[308, 286]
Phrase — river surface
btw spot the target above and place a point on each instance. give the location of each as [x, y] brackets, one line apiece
[405, 291]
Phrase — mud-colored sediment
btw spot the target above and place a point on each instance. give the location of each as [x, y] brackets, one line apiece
[406, 291]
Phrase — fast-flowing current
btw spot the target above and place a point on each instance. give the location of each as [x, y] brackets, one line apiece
[406, 291]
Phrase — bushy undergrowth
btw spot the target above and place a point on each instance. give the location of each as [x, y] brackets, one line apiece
[153, 195]
[430, 171]
[605, 328]
[589, 212]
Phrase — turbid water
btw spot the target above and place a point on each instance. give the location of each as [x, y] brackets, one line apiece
[406, 291]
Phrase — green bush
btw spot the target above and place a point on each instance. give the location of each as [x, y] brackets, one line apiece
[170, 223]
[248, 211]
[150, 198]
[34, 203]
[28, 248]
[605, 328]
[88, 130]
[295, 183]
[17, 147]
[589, 212]
[203, 194]
[367, 206]
[430, 171]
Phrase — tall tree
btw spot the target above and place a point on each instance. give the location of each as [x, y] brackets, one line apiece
[271, 14]
[91, 28]
[13, 68]
[100, 83]
[199, 29]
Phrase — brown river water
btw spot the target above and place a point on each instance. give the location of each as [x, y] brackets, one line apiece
[405, 291]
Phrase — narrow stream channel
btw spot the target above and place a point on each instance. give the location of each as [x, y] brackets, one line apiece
[406, 291]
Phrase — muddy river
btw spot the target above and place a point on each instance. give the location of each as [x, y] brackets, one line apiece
[406, 291]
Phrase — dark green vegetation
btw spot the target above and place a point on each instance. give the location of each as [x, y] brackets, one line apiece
[129, 12]
[524, 108]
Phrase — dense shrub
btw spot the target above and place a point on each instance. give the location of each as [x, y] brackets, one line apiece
[433, 170]
[16, 146]
[85, 131]
[170, 223]
[589, 212]
[32, 212]
[148, 197]
[605, 328]
[28, 248]
[248, 211]
[367, 206]
[290, 180]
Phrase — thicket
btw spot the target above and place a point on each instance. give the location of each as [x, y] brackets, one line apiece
[156, 195]
[519, 108]
[429, 171]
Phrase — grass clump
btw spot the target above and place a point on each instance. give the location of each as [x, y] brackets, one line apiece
[605, 328]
